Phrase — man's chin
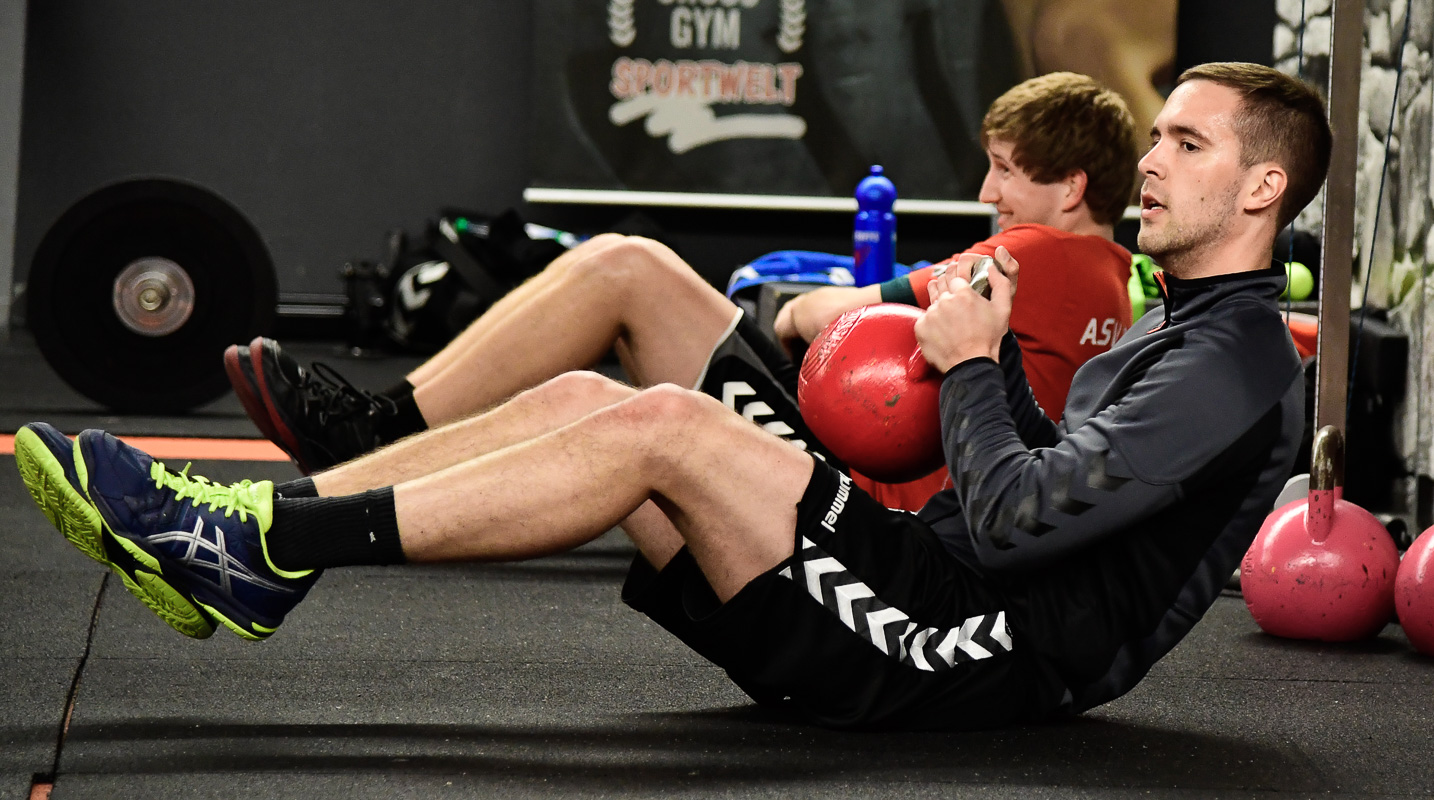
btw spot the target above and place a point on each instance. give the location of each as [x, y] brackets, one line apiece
[1155, 241]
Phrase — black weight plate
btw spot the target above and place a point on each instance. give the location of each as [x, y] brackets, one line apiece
[71, 284]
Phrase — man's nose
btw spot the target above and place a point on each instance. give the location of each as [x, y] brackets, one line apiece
[1152, 161]
[988, 193]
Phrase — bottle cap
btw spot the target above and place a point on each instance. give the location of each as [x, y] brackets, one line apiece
[876, 192]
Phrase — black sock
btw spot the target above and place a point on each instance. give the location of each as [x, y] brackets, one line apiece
[299, 487]
[315, 533]
[405, 421]
[401, 389]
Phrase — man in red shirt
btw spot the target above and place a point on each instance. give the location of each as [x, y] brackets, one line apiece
[1060, 174]
[1062, 153]
[1078, 302]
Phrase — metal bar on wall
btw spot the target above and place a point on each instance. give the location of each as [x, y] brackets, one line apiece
[756, 202]
[1336, 252]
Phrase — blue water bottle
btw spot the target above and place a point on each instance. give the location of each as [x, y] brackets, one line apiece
[874, 236]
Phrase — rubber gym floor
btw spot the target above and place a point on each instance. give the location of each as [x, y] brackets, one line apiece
[534, 680]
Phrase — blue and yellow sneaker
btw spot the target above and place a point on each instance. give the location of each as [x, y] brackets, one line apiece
[47, 462]
[46, 459]
[192, 540]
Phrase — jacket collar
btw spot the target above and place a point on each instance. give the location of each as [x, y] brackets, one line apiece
[1185, 299]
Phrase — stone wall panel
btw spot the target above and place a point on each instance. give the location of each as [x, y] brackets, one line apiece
[1376, 97]
[1317, 39]
[1414, 429]
[1399, 232]
[1380, 45]
[1415, 75]
[1286, 41]
[1413, 179]
[1421, 22]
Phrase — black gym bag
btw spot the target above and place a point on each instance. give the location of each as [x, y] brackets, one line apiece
[426, 291]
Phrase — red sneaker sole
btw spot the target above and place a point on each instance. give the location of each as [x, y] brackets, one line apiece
[253, 405]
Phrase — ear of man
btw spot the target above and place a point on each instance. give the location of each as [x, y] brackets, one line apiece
[1075, 184]
[1265, 188]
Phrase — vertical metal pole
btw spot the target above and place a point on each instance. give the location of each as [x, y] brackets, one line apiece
[12, 63]
[1336, 259]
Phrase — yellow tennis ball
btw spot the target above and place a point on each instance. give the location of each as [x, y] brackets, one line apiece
[1300, 281]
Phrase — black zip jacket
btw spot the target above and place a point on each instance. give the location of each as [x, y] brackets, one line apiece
[1113, 532]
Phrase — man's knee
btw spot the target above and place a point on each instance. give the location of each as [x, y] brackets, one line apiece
[677, 424]
[584, 253]
[602, 241]
[582, 390]
[634, 264]
[677, 406]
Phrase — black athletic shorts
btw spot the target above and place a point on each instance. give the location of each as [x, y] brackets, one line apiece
[870, 623]
[752, 375]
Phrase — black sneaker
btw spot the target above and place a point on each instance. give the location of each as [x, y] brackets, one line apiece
[314, 415]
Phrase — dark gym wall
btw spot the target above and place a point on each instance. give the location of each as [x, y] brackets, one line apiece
[1225, 30]
[324, 123]
[12, 67]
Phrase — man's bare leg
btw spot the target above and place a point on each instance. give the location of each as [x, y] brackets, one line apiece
[542, 409]
[530, 414]
[456, 351]
[730, 489]
[613, 289]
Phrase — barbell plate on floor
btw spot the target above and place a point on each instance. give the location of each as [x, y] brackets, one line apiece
[136, 290]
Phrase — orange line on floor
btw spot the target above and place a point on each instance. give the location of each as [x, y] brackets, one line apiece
[195, 449]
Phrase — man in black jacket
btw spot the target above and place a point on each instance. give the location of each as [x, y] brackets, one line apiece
[1066, 561]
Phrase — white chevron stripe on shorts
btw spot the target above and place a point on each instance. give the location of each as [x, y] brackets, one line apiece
[753, 411]
[890, 629]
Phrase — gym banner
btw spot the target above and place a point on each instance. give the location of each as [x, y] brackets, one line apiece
[777, 97]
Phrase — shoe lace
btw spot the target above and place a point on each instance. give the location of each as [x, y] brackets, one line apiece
[197, 489]
[337, 397]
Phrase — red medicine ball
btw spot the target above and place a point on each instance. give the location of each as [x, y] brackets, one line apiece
[857, 397]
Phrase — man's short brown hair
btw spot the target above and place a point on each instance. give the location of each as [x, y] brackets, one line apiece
[1063, 122]
[1282, 120]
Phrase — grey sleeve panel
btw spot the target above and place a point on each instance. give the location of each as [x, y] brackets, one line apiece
[1169, 414]
[1032, 424]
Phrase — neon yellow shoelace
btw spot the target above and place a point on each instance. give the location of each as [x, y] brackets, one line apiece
[235, 497]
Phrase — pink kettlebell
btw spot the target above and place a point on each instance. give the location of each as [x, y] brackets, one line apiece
[1414, 593]
[1321, 568]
